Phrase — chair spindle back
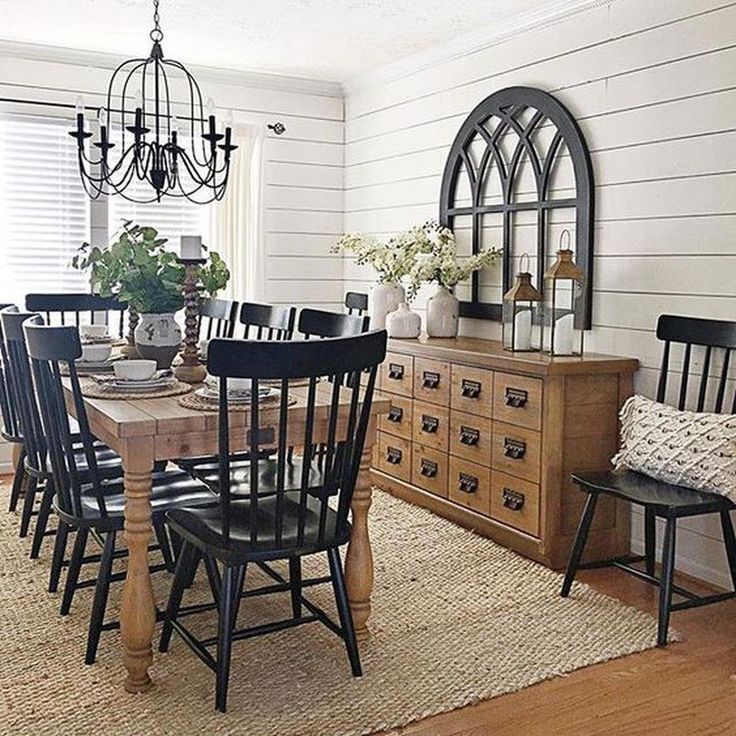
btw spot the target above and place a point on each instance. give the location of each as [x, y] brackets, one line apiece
[8, 396]
[266, 321]
[320, 323]
[356, 303]
[217, 318]
[79, 309]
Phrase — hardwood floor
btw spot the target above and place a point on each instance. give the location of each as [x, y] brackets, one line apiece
[687, 688]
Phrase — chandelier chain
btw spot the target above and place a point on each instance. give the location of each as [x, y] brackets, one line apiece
[156, 33]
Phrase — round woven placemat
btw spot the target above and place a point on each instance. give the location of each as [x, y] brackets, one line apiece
[101, 391]
[192, 401]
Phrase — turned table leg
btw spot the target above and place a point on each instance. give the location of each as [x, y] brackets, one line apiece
[359, 559]
[138, 611]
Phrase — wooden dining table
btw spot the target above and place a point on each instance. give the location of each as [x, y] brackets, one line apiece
[145, 431]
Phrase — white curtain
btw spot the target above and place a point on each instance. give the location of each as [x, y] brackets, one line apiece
[237, 228]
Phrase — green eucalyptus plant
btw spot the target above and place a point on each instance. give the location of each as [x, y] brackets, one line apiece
[137, 269]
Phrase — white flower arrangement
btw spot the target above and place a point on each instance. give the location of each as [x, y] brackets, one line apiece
[423, 253]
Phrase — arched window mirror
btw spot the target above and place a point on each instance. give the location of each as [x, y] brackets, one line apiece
[517, 175]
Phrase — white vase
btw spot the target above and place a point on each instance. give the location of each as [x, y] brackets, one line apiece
[158, 337]
[403, 323]
[443, 314]
[384, 298]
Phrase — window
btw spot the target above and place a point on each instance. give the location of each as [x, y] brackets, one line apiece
[44, 211]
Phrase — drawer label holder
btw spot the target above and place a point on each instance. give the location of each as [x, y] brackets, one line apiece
[513, 500]
[467, 483]
[430, 379]
[393, 455]
[430, 424]
[469, 436]
[515, 449]
[396, 371]
[516, 397]
[428, 468]
[470, 389]
[396, 414]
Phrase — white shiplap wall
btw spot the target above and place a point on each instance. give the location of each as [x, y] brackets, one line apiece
[653, 87]
[303, 168]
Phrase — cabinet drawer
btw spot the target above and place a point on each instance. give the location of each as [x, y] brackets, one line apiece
[432, 381]
[515, 502]
[472, 390]
[431, 424]
[394, 456]
[516, 451]
[398, 419]
[429, 469]
[517, 400]
[468, 484]
[470, 437]
[397, 374]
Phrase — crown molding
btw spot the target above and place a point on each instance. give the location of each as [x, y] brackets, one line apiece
[547, 15]
[104, 60]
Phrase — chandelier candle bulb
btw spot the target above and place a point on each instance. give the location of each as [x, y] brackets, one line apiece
[190, 247]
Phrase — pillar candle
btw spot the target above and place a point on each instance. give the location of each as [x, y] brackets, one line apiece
[563, 334]
[523, 330]
[190, 247]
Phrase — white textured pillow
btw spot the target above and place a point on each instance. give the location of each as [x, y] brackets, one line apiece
[686, 448]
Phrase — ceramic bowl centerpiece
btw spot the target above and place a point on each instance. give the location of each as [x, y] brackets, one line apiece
[438, 261]
[138, 269]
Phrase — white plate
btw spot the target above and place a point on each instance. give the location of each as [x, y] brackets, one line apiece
[241, 397]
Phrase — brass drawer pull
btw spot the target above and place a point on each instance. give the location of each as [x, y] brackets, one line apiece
[428, 468]
[515, 449]
[393, 455]
[467, 483]
[469, 435]
[396, 414]
[430, 379]
[396, 371]
[430, 424]
[470, 389]
[512, 500]
[516, 397]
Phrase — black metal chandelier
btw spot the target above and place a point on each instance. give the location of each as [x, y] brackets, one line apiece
[140, 140]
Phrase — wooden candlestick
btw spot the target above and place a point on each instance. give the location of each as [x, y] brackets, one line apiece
[191, 370]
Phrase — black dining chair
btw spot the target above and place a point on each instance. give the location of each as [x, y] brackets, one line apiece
[266, 321]
[356, 303]
[217, 318]
[663, 500]
[78, 309]
[11, 430]
[87, 501]
[274, 521]
[320, 323]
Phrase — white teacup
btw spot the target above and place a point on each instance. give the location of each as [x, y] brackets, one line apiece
[135, 370]
[238, 384]
[93, 331]
[95, 353]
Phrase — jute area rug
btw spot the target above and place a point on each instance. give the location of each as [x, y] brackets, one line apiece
[456, 619]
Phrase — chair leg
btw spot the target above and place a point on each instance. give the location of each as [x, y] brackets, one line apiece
[18, 479]
[225, 636]
[75, 565]
[730, 541]
[579, 545]
[28, 503]
[163, 542]
[343, 610]
[42, 520]
[57, 561]
[102, 589]
[665, 582]
[295, 581]
[650, 539]
[188, 557]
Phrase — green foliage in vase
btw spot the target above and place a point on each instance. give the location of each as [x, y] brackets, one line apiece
[137, 269]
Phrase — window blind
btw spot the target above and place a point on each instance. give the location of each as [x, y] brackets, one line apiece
[44, 211]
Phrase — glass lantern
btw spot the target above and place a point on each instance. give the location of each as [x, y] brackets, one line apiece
[563, 289]
[521, 324]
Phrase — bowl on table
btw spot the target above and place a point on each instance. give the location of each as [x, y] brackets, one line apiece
[93, 332]
[95, 353]
[135, 370]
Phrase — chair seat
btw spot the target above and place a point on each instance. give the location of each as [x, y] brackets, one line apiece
[203, 528]
[169, 490]
[646, 491]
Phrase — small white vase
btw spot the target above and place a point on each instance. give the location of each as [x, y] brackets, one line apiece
[443, 314]
[403, 323]
[158, 337]
[384, 298]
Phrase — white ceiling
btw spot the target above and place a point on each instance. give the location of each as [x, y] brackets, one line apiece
[333, 40]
